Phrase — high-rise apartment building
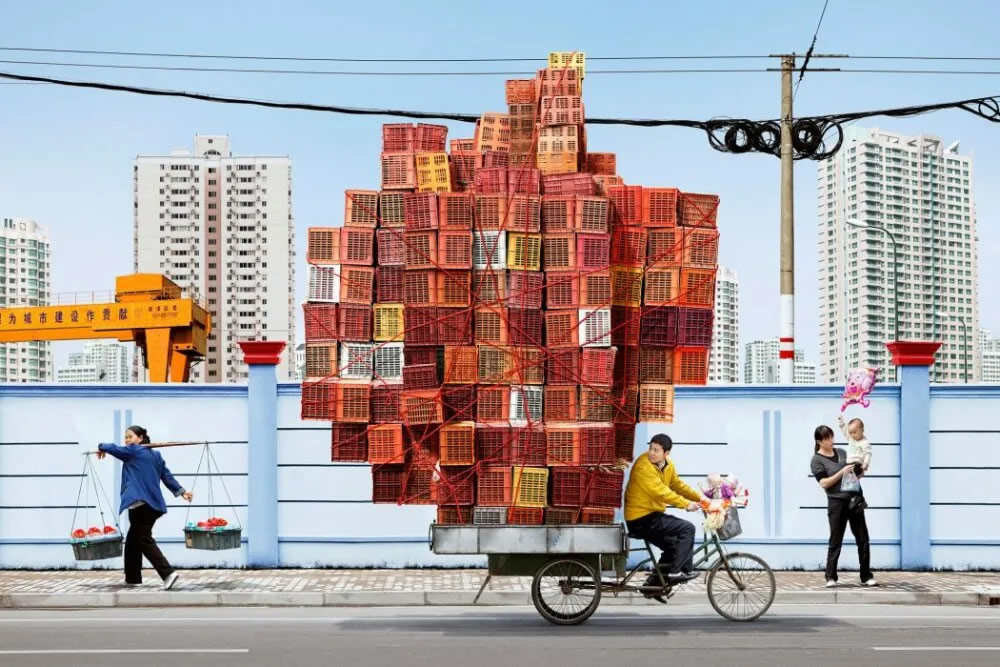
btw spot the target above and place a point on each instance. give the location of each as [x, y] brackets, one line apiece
[724, 359]
[221, 227]
[100, 362]
[921, 192]
[989, 357]
[25, 280]
[760, 364]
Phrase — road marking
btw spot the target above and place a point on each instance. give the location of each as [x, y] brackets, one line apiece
[936, 648]
[102, 651]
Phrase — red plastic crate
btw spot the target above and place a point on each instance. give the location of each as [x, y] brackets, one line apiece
[493, 444]
[420, 354]
[561, 110]
[528, 365]
[522, 121]
[626, 364]
[697, 288]
[459, 402]
[528, 445]
[463, 169]
[431, 138]
[454, 289]
[701, 248]
[553, 81]
[558, 213]
[562, 444]
[604, 488]
[698, 210]
[494, 160]
[457, 488]
[491, 325]
[597, 516]
[461, 364]
[525, 516]
[524, 326]
[456, 515]
[385, 403]
[391, 247]
[356, 284]
[597, 445]
[563, 366]
[665, 247]
[489, 286]
[462, 145]
[568, 184]
[596, 404]
[455, 326]
[660, 207]
[592, 251]
[421, 326]
[390, 208]
[354, 322]
[625, 325]
[562, 290]
[421, 406]
[490, 212]
[591, 214]
[626, 204]
[494, 486]
[349, 443]
[398, 137]
[420, 376]
[658, 326]
[597, 365]
[385, 443]
[421, 250]
[420, 210]
[662, 287]
[360, 208]
[694, 327]
[491, 181]
[626, 401]
[357, 246]
[624, 441]
[389, 284]
[320, 322]
[524, 180]
[562, 328]
[399, 170]
[353, 402]
[319, 400]
[656, 365]
[602, 182]
[492, 404]
[602, 163]
[520, 91]
[628, 246]
[560, 516]
[454, 249]
[387, 484]
[561, 403]
[420, 288]
[524, 289]
[559, 252]
[323, 245]
[524, 213]
[568, 485]
[418, 485]
[690, 365]
[455, 210]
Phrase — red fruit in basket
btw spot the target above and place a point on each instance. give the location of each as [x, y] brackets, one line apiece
[202, 524]
[94, 530]
[110, 529]
[79, 532]
[221, 522]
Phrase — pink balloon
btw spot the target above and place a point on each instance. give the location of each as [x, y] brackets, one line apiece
[860, 383]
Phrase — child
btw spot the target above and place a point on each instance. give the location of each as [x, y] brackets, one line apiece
[858, 449]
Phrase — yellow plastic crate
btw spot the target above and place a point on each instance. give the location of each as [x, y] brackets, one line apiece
[433, 172]
[626, 286]
[524, 251]
[389, 322]
[569, 60]
[530, 487]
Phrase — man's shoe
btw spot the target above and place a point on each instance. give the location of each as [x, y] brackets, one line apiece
[871, 582]
[169, 582]
[831, 583]
[681, 577]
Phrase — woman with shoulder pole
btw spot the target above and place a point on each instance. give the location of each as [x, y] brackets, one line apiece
[142, 472]
[845, 504]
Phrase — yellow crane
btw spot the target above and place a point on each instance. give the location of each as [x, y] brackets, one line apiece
[148, 310]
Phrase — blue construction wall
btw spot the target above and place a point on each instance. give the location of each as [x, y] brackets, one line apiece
[325, 517]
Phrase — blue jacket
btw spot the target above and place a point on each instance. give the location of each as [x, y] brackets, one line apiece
[142, 473]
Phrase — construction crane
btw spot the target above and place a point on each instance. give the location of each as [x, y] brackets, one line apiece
[148, 310]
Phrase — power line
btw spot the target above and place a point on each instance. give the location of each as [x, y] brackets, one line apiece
[809, 52]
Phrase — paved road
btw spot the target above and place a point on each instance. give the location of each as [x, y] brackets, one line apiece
[500, 637]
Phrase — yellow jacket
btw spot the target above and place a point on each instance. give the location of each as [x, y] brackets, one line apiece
[652, 490]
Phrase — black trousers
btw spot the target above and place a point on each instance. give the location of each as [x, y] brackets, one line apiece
[839, 518]
[674, 536]
[139, 542]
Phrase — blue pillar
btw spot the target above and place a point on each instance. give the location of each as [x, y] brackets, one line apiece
[915, 359]
[262, 452]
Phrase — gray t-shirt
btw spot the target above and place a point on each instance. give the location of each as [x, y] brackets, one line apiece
[825, 466]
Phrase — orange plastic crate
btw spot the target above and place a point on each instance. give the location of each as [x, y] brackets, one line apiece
[626, 204]
[455, 515]
[527, 365]
[562, 290]
[628, 246]
[495, 486]
[656, 364]
[420, 287]
[420, 211]
[490, 212]
[701, 248]
[597, 515]
[356, 284]
[625, 442]
[462, 145]
[391, 247]
[495, 365]
[520, 91]
[625, 325]
[525, 516]
[493, 132]
[557, 163]
[491, 325]
[458, 444]
[662, 287]
[665, 247]
[357, 246]
[455, 210]
[489, 286]
[463, 169]
[596, 404]
[561, 110]
[387, 484]
[562, 328]
[494, 444]
[391, 209]
[323, 245]
[421, 250]
[558, 213]
[597, 366]
[595, 288]
[626, 286]
[360, 208]
[454, 288]
[524, 213]
[561, 403]
[690, 365]
[604, 182]
[656, 403]
[559, 252]
[493, 404]
[461, 364]
[353, 402]
[321, 360]
[591, 214]
[698, 210]
[420, 406]
[523, 180]
[455, 249]
[562, 444]
[697, 288]
[602, 163]
[397, 136]
[385, 443]
[660, 207]
[559, 81]
[399, 170]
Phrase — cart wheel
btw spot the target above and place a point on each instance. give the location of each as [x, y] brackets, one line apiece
[744, 590]
[566, 591]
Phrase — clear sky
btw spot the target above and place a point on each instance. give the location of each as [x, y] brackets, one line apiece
[66, 154]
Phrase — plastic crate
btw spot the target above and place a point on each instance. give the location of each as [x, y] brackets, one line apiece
[524, 213]
[597, 444]
[595, 327]
[420, 211]
[665, 247]
[690, 365]
[421, 250]
[522, 122]
[323, 245]
[385, 443]
[389, 284]
[459, 402]
[662, 287]
[454, 289]
[389, 324]
[455, 326]
[624, 442]
[353, 402]
[494, 486]
[597, 516]
[492, 403]
[454, 249]
[489, 286]
[390, 206]
[421, 406]
[568, 184]
[565, 138]
[349, 443]
[524, 289]
[494, 159]
[559, 81]
[561, 328]
[658, 326]
[430, 137]
[602, 163]
[626, 401]
[558, 213]
[628, 246]
[626, 286]
[531, 489]
[357, 246]
[420, 376]
[562, 444]
[591, 214]
[660, 207]
[387, 363]
[489, 516]
[625, 325]
[457, 487]
[596, 404]
[592, 251]
[387, 484]
[603, 182]
[604, 488]
[454, 516]
[324, 283]
[626, 204]
[361, 208]
[456, 210]
[418, 485]
[626, 367]
[463, 169]
[697, 288]
[562, 290]
[495, 366]
[422, 443]
[561, 110]
[489, 250]
[561, 403]
[560, 516]
[491, 181]
[698, 210]
[490, 212]
[399, 170]
[569, 486]
[422, 354]
[597, 366]
[420, 287]
[421, 325]
[354, 322]
[522, 154]
[557, 163]
[656, 403]
[694, 327]
[385, 399]
[524, 252]
[701, 248]
[320, 321]
[559, 252]
[595, 288]
[575, 60]
[461, 364]
[494, 443]
[528, 445]
[319, 400]
[458, 444]
[356, 361]
[520, 91]
[525, 404]
[391, 247]
[524, 180]
[524, 327]
[563, 366]
[491, 325]
[321, 360]
[528, 365]
[493, 132]
[462, 145]
[656, 364]
[397, 136]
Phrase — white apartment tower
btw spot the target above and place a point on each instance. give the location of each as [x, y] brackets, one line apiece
[724, 359]
[25, 280]
[100, 362]
[921, 192]
[760, 365]
[221, 227]
[989, 357]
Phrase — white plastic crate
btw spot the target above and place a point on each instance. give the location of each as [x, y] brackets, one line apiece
[388, 359]
[489, 516]
[525, 403]
[324, 283]
[595, 327]
[485, 243]
[356, 361]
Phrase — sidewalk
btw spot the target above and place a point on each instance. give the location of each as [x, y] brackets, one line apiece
[104, 588]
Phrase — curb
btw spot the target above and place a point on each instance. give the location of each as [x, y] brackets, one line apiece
[449, 598]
